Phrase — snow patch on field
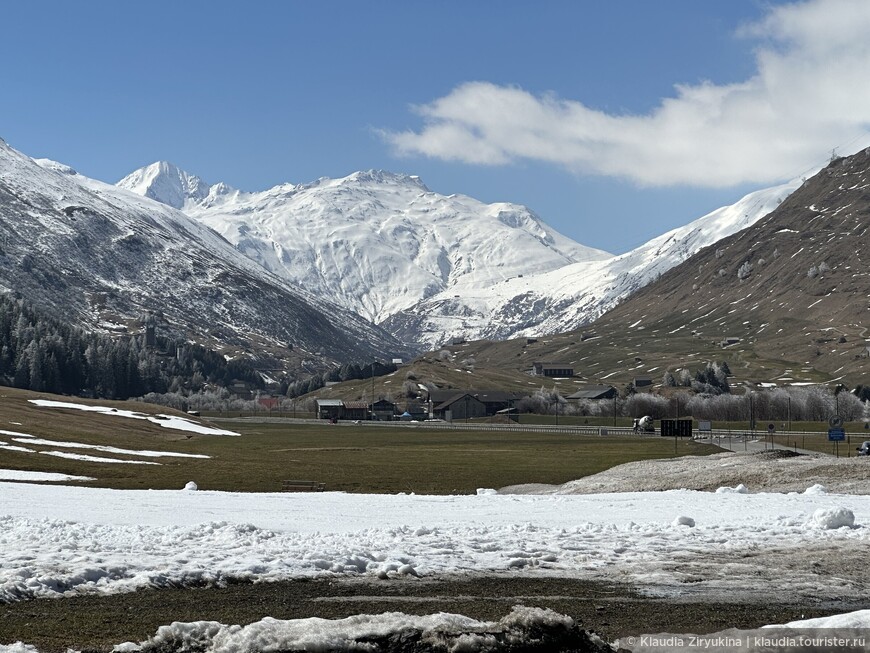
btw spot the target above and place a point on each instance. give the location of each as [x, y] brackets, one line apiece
[39, 477]
[166, 421]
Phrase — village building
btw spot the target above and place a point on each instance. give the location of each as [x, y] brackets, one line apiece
[383, 410]
[460, 405]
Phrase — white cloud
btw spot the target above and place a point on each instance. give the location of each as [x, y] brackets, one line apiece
[810, 93]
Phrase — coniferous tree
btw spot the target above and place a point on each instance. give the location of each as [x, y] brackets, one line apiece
[41, 353]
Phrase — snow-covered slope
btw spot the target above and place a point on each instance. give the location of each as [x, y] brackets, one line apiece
[101, 256]
[374, 242]
[575, 294]
[429, 267]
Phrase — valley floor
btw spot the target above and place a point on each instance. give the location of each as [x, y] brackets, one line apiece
[92, 567]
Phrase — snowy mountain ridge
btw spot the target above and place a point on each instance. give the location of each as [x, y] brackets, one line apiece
[104, 258]
[430, 267]
[375, 242]
[576, 294]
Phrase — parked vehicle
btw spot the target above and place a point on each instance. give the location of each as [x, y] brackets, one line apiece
[644, 425]
[864, 449]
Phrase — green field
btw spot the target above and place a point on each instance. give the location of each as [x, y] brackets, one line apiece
[346, 457]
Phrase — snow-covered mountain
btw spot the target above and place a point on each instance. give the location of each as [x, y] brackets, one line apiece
[167, 184]
[573, 295]
[104, 257]
[374, 242]
[430, 267]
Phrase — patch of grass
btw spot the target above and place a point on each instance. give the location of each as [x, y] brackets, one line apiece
[346, 457]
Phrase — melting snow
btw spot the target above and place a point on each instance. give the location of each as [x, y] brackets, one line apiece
[21, 475]
[75, 535]
[132, 452]
[94, 459]
[166, 421]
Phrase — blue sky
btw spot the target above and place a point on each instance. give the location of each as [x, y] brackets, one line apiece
[613, 121]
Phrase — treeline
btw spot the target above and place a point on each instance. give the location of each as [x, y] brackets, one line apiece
[346, 372]
[810, 404]
[711, 379]
[41, 353]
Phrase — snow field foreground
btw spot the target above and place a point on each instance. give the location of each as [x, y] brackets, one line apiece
[537, 629]
[60, 541]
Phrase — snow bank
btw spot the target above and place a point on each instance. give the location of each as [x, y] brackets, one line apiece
[532, 629]
[857, 619]
[771, 471]
[847, 633]
[17, 647]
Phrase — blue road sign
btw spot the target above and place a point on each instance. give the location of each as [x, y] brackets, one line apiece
[836, 435]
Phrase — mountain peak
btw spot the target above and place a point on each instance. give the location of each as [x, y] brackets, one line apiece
[383, 177]
[166, 183]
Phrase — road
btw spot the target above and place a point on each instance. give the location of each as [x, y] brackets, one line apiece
[756, 442]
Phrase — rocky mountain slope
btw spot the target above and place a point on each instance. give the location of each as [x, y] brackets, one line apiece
[104, 257]
[790, 292]
[429, 267]
[784, 300]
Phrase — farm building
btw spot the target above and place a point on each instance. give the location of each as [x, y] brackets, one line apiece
[493, 400]
[594, 392]
[460, 405]
[553, 369]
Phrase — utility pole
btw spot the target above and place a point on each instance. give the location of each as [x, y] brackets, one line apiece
[614, 410]
[751, 413]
